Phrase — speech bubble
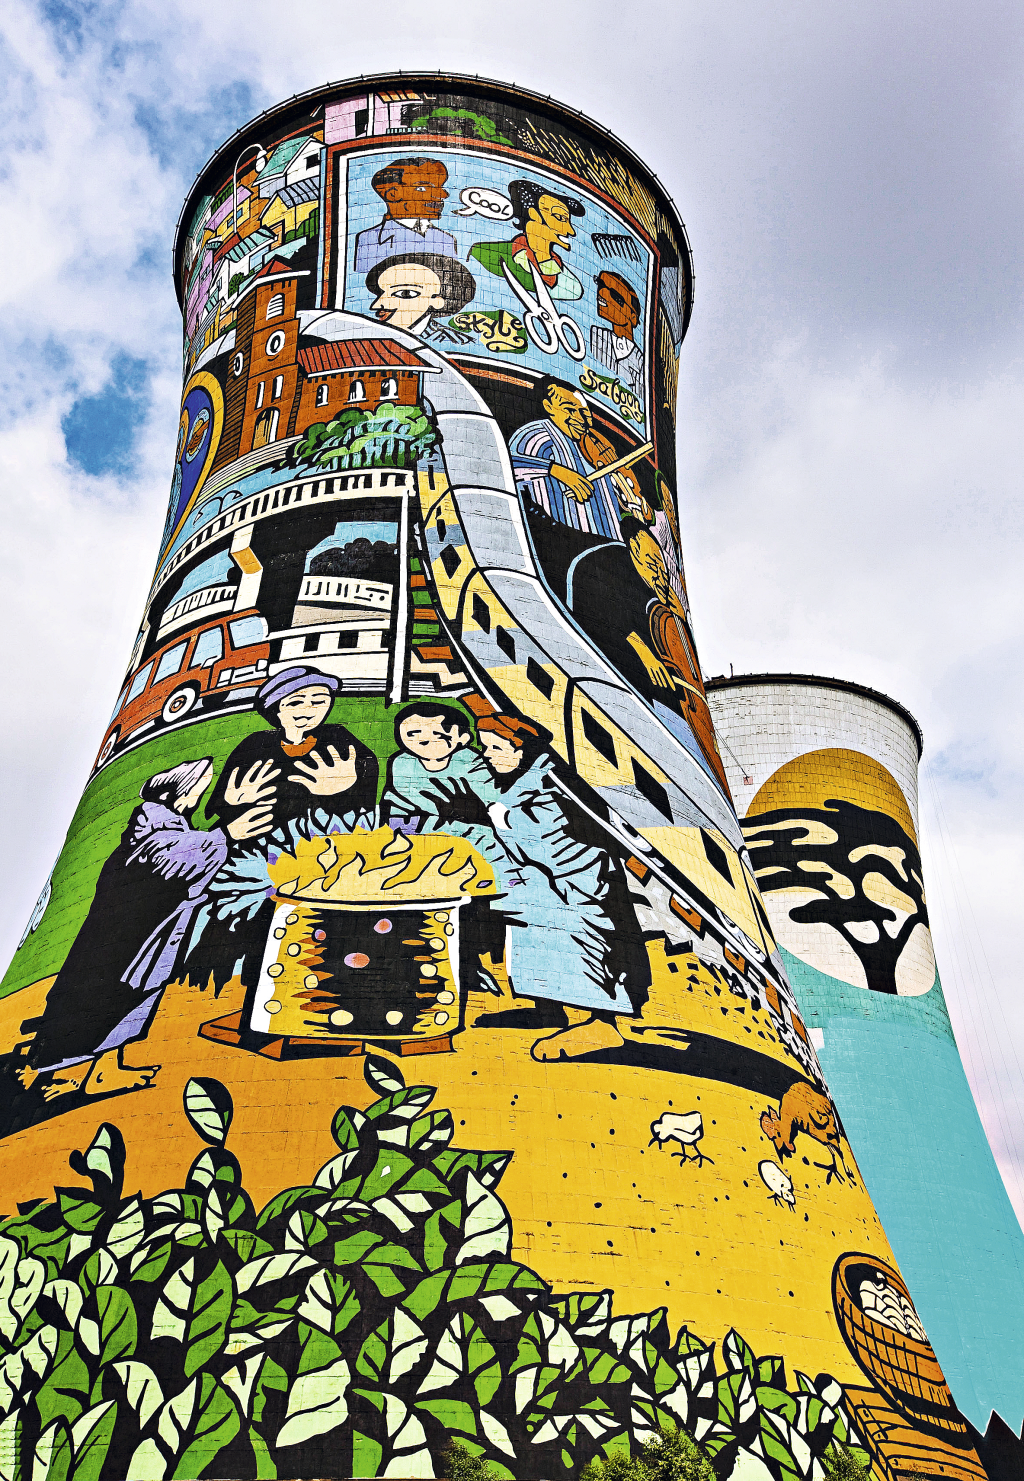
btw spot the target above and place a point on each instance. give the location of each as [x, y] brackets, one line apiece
[480, 200]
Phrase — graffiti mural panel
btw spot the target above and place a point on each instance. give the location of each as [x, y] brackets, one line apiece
[412, 757]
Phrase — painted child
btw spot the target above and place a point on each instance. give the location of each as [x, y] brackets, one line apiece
[436, 754]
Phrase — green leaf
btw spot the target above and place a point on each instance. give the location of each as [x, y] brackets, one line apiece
[265, 1467]
[102, 1162]
[213, 1424]
[382, 1075]
[356, 1247]
[317, 1404]
[430, 1134]
[346, 1126]
[53, 1454]
[366, 1455]
[209, 1109]
[436, 1243]
[214, 1165]
[488, 1167]
[65, 1392]
[118, 1326]
[486, 1229]
[246, 1245]
[737, 1355]
[452, 1414]
[282, 1202]
[270, 1268]
[330, 1302]
[208, 1322]
[150, 1264]
[127, 1231]
[403, 1105]
[91, 1435]
[10, 1447]
[80, 1213]
[142, 1389]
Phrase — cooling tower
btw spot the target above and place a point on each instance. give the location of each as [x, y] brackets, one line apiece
[402, 1000]
[824, 774]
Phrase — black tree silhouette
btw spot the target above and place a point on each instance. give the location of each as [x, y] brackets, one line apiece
[788, 851]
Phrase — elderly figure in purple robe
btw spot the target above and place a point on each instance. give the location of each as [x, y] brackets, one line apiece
[132, 941]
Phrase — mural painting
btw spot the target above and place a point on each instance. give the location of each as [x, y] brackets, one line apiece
[413, 757]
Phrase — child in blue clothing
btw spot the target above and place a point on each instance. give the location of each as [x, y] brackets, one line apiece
[435, 755]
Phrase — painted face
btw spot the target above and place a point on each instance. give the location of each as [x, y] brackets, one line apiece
[570, 413]
[406, 293]
[429, 740]
[548, 223]
[420, 192]
[650, 563]
[499, 753]
[615, 304]
[300, 713]
[191, 799]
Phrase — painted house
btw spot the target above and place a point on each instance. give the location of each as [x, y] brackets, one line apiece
[375, 113]
[291, 162]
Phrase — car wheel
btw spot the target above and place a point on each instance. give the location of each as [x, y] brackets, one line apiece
[179, 704]
[107, 748]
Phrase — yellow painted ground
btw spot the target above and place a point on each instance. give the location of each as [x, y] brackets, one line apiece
[593, 1204]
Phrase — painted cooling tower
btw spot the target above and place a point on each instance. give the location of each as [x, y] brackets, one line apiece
[824, 775]
[403, 952]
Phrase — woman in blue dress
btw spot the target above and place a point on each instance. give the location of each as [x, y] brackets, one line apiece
[572, 937]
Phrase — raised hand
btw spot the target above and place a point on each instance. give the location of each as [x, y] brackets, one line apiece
[251, 824]
[456, 802]
[656, 670]
[326, 778]
[575, 485]
[256, 785]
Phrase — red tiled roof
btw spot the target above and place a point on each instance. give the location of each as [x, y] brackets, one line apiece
[359, 354]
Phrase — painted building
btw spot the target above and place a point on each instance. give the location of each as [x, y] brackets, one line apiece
[825, 775]
[404, 1001]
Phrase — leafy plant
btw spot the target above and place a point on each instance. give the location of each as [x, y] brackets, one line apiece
[841, 1465]
[672, 1456]
[356, 1324]
[389, 437]
[459, 1464]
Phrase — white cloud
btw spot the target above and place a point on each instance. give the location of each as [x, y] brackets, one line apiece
[850, 400]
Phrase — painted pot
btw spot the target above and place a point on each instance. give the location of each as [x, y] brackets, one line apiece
[337, 969]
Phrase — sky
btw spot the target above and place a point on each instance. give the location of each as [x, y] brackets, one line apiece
[850, 408]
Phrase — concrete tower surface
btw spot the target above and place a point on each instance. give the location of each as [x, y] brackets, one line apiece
[412, 778]
[825, 776]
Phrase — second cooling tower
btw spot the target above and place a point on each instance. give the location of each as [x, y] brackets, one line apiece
[825, 775]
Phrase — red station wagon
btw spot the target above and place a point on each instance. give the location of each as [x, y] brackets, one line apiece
[219, 659]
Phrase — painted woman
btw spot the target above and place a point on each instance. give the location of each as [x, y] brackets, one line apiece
[132, 941]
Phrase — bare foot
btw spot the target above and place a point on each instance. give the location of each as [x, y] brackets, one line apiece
[64, 1081]
[582, 1038]
[108, 1075]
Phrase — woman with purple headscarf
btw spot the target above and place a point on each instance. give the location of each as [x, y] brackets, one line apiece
[313, 778]
[130, 945]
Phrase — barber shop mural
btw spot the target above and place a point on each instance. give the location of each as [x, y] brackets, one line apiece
[412, 778]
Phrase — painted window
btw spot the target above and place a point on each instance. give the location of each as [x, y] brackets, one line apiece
[139, 683]
[275, 344]
[259, 393]
[209, 648]
[278, 387]
[322, 392]
[171, 662]
[389, 388]
[357, 391]
[275, 308]
[246, 630]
